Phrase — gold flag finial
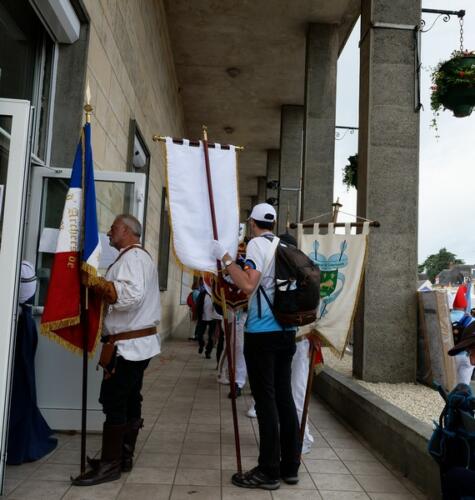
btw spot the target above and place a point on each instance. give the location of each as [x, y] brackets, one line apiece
[205, 132]
[87, 107]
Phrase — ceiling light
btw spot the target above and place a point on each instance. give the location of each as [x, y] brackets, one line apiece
[233, 72]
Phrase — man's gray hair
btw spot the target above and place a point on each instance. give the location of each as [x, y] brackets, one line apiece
[131, 222]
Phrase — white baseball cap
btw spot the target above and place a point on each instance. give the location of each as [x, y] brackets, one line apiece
[263, 212]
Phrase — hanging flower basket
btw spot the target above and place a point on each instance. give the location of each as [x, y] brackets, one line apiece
[454, 84]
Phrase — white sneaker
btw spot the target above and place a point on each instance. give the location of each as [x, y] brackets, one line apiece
[251, 413]
[223, 380]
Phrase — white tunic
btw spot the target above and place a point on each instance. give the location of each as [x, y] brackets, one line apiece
[209, 313]
[135, 279]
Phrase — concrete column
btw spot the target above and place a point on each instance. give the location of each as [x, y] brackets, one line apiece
[319, 119]
[273, 172]
[290, 171]
[386, 327]
[261, 189]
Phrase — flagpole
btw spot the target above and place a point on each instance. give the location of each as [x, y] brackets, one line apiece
[227, 332]
[84, 312]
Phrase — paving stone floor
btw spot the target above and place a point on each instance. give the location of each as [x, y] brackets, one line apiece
[186, 449]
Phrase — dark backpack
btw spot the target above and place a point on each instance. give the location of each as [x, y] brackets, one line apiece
[452, 443]
[297, 286]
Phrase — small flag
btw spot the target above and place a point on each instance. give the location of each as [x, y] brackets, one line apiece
[78, 247]
[460, 301]
[315, 348]
[468, 296]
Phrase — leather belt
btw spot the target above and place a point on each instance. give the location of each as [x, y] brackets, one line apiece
[132, 334]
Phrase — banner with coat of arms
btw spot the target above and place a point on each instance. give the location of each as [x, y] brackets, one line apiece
[341, 259]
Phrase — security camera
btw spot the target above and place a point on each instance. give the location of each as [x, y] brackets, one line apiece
[139, 158]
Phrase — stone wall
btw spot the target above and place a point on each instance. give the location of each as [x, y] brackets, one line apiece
[131, 75]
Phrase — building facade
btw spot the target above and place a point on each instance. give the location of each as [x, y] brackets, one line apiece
[259, 74]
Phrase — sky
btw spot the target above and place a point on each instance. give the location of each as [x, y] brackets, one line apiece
[446, 164]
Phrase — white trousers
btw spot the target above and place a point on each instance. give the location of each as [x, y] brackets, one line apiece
[300, 363]
[241, 371]
[464, 368]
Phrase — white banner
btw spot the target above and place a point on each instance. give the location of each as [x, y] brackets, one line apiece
[341, 259]
[188, 199]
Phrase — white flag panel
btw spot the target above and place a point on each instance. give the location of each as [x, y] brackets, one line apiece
[188, 199]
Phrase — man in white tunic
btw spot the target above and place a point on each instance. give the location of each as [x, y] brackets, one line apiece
[131, 294]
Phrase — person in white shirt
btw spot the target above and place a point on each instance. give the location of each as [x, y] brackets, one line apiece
[131, 294]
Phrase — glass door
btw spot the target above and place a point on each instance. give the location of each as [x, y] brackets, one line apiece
[116, 192]
[14, 128]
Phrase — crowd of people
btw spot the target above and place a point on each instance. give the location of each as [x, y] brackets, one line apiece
[271, 356]
[264, 350]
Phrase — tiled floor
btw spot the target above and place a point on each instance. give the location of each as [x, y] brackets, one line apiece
[186, 449]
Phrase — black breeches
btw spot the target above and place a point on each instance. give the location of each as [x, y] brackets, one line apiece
[120, 394]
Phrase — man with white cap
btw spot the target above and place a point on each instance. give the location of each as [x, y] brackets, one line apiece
[268, 351]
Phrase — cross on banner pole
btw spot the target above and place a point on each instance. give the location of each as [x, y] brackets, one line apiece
[227, 332]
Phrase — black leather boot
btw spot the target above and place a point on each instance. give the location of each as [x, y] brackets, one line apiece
[128, 447]
[130, 439]
[109, 466]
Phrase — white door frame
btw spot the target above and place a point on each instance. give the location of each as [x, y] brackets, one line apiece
[10, 252]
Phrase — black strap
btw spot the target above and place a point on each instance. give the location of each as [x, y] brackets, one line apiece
[269, 303]
[271, 306]
[259, 307]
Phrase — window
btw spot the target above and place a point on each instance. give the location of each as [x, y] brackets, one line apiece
[164, 243]
[26, 66]
[49, 188]
[139, 162]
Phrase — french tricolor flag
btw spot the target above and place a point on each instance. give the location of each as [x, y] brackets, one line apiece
[78, 247]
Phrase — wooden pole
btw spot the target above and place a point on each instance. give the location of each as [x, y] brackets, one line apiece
[373, 223]
[336, 208]
[85, 328]
[227, 333]
[162, 138]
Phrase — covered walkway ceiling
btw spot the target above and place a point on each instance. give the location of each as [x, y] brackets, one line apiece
[239, 61]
